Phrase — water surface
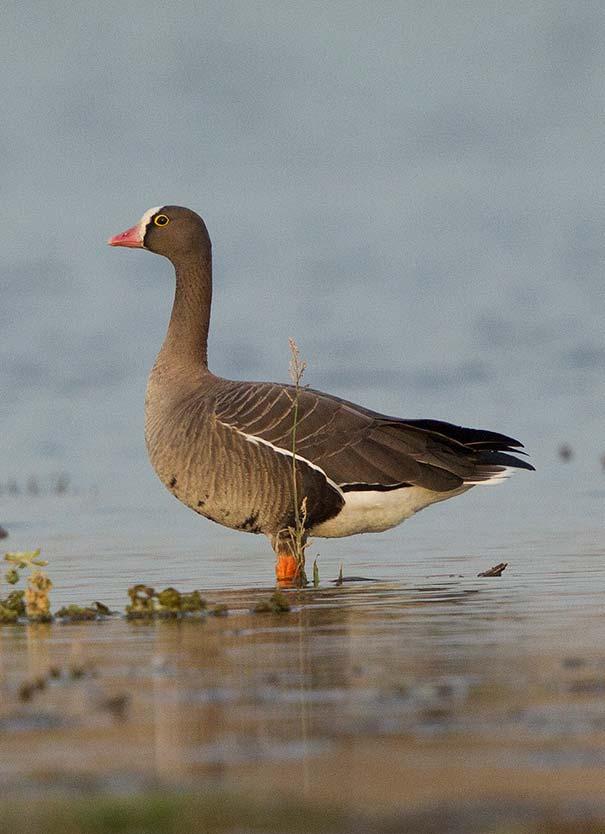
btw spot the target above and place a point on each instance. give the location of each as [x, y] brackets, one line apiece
[427, 687]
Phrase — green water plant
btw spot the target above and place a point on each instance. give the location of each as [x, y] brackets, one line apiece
[26, 559]
[36, 597]
[141, 601]
[147, 603]
[9, 613]
[34, 601]
[77, 613]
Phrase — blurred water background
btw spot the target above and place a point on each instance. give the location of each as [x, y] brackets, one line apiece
[413, 191]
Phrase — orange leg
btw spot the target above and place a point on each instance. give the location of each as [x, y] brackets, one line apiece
[286, 569]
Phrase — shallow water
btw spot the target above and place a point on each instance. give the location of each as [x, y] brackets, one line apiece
[428, 685]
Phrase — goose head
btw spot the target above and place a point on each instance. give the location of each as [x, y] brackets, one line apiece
[171, 231]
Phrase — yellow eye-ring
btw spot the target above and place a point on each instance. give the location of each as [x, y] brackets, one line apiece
[161, 220]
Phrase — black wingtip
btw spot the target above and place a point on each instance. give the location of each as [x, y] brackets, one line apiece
[504, 459]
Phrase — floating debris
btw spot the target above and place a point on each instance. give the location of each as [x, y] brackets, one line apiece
[565, 452]
[78, 670]
[3, 533]
[32, 486]
[573, 662]
[26, 691]
[60, 483]
[117, 705]
[497, 570]
[102, 609]
[276, 604]
[28, 688]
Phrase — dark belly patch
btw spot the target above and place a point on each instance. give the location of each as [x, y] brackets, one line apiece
[249, 524]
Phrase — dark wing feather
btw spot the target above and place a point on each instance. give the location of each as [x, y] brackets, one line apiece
[354, 445]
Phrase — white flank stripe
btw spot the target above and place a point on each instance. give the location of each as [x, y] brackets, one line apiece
[253, 438]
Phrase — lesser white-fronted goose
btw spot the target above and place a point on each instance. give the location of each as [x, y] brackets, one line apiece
[224, 448]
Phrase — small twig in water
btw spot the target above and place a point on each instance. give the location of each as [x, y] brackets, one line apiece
[497, 570]
[298, 533]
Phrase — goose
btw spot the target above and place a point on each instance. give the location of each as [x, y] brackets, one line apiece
[224, 448]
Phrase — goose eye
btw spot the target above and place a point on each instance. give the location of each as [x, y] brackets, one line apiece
[160, 220]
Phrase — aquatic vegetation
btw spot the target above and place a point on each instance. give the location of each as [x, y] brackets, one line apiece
[36, 597]
[77, 613]
[34, 601]
[26, 559]
[12, 607]
[276, 604]
[193, 602]
[169, 598]
[141, 601]
[8, 615]
[12, 576]
[145, 602]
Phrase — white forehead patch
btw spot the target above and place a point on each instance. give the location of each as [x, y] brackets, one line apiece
[144, 221]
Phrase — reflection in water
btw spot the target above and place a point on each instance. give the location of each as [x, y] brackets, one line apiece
[391, 694]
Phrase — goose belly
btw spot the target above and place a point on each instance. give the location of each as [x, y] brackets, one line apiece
[370, 511]
[197, 488]
[217, 473]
